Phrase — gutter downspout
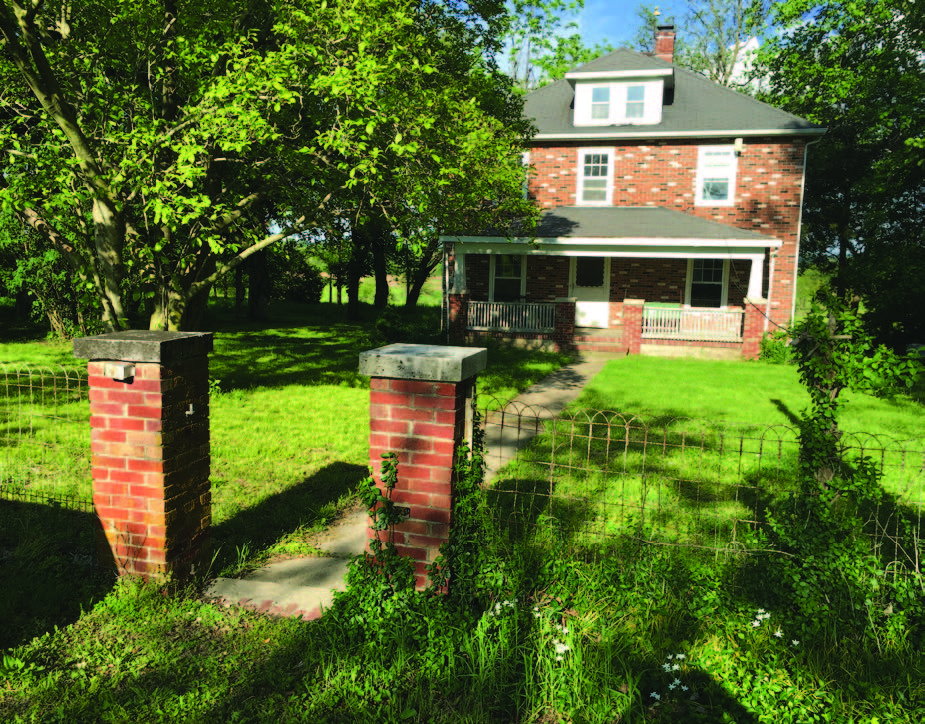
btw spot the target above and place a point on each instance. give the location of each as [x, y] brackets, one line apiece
[793, 301]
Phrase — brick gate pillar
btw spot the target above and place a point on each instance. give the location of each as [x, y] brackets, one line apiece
[564, 331]
[420, 407]
[459, 316]
[632, 325]
[149, 419]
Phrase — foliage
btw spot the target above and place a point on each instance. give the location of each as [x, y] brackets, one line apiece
[775, 348]
[834, 567]
[856, 68]
[30, 266]
[292, 276]
[538, 43]
[156, 148]
[711, 39]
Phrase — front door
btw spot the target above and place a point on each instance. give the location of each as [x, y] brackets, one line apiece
[590, 285]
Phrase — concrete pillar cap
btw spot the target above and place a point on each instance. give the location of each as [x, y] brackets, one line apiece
[424, 362]
[144, 345]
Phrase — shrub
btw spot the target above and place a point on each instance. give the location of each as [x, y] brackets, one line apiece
[294, 279]
[775, 348]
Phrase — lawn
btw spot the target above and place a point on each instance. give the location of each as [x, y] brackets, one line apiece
[560, 625]
[289, 429]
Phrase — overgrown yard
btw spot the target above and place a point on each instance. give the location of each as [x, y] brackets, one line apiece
[544, 623]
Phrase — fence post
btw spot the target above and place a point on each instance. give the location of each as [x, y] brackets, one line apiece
[753, 327]
[632, 325]
[420, 407]
[564, 330]
[149, 419]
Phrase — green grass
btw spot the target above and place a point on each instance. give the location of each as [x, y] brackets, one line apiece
[621, 606]
[289, 432]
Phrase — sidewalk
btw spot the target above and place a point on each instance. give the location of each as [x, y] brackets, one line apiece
[305, 586]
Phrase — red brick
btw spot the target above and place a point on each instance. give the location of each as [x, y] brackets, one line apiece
[144, 411]
[389, 426]
[104, 435]
[390, 399]
[412, 413]
[411, 387]
[142, 465]
[125, 423]
[109, 488]
[424, 429]
[431, 460]
[104, 461]
[106, 409]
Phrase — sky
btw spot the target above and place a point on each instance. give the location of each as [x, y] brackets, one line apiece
[612, 21]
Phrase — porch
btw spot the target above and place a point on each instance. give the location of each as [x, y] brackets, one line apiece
[660, 328]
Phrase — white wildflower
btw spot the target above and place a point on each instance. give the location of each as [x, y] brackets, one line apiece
[666, 667]
[779, 633]
[676, 682]
[795, 642]
[680, 656]
[683, 688]
[675, 667]
[655, 695]
[756, 624]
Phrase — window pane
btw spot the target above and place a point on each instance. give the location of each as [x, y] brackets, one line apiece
[507, 265]
[600, 95]
[589, 271]
[715, 189]
[507, 290]
[634, 110]
[706, 295]
[708, 270]
[600, 110]
[594, 190]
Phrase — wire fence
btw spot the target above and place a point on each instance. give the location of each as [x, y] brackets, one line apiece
[590, 476]
[45, 436]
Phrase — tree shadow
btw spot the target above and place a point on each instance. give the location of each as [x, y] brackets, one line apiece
[51, 568]
[301, 505]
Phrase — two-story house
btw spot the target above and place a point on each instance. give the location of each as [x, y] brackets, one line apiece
[672, 217]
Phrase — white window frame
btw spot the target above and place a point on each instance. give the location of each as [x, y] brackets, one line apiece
[491, 275]
[724, 294]
[640, 104]
[608, 179]
[709, 169]
[606, 105]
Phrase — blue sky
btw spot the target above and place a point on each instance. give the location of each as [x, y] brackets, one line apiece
[614, 21]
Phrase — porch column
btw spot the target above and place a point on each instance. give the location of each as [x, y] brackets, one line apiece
[753, 327]
[756, 276]
[564, 332]
[632, 325]
[420, 407]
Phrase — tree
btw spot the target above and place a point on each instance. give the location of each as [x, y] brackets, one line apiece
[536, 49]
[158, 145]
[712, 39]
[857, 68]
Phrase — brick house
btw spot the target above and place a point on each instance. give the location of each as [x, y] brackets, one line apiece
[671, 219]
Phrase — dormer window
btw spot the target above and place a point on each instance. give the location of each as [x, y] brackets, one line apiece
[607, 102]
[635, 101]
[600, 103]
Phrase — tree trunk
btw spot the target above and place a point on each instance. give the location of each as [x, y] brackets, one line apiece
[258, 293]
[378, 242]
[429, 259]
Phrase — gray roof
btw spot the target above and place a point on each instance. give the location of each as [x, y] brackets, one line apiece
[637, 222]
[698, 106]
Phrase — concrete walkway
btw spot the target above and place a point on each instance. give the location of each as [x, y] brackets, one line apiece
[304, 587]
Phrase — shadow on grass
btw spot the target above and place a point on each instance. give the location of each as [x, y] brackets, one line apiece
[49, 570]
[302, 505]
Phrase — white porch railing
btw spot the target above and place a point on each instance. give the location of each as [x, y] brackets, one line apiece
[512, 316]
[705, 325]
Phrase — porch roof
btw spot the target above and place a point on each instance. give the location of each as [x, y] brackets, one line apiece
[571, 229]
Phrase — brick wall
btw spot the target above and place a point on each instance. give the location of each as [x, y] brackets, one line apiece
[768, 187]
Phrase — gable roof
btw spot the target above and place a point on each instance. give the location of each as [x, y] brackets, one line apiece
[698, 107]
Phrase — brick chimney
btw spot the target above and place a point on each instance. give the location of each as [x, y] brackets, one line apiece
[664, 43]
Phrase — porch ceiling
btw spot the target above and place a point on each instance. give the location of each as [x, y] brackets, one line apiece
[624, 231]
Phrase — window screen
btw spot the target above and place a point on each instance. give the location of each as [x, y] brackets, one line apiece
[589, 271]
[635, 101]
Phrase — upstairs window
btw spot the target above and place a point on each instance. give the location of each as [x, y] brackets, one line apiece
[600, 103]
[716, 176]
[635, 101]
[594, 177]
